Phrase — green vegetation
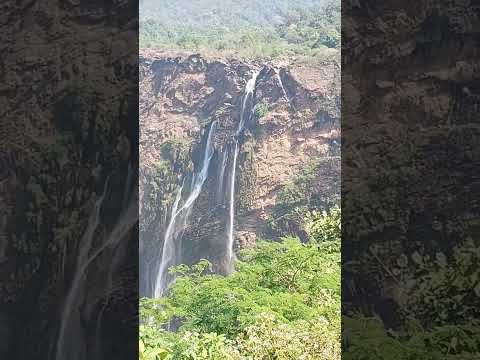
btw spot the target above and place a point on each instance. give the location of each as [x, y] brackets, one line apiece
[294, 202]
[438, 306]
[176, 151]
[161, 181]
[368, 339]
[282, 302]
[252, 29]
[261, 109]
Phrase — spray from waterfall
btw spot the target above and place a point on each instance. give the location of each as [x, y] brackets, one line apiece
[170, 238]
[245, 115]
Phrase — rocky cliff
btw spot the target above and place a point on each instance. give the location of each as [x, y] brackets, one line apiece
[410, 117]
[295, 122]
[68, 95]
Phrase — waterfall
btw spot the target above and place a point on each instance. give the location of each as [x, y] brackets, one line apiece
[244, 117]
[128, 218]
[170, 238]
[168, 250]
[70, 323]
[66, 323]
[249, 89]
[200, 178]
[282, 87]
[221, 177]
[232, 206]
[128, 185]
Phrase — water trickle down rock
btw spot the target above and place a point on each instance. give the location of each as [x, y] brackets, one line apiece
[245, 116]
[269, 152]
[171, 238]
[71, 341]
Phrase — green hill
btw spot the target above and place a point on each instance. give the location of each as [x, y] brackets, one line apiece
[251, 28]
[227, 13]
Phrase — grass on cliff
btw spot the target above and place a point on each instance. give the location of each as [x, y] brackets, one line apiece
[283, 302]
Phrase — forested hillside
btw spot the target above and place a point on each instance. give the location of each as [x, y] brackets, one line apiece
[204, 13]
[283, 303]
[252, 29]
[240, 180]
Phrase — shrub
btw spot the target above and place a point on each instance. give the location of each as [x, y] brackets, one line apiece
[282, 302]
[261, 109]
[308, 340]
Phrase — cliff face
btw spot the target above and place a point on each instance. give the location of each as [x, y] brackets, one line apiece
[68, 95]
[418, 194]
[295, 121]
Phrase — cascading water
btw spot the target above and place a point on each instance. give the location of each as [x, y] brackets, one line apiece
[126, 222]
[244, 117]
[128, 186]
[249, 89]
[232, 206]
[221, 177]
[282, 87]
[70, 323]
[170, 238]
[169, 254]
[168, 250]
[69, 328]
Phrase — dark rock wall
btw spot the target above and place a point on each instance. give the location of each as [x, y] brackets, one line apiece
[409, 161]
[69, 111]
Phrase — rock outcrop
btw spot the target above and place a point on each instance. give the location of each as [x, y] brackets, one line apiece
[296, 121]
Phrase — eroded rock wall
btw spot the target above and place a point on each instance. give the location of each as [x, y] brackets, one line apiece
[296, 120]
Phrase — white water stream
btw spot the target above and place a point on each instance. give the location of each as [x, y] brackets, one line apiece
[180, 211]
[71, 332]
[221, 177]
[171, 240]
[244, 117]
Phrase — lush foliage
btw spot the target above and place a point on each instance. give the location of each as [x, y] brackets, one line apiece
[298, 210]
[445, 290]
[261, 109]
[438, 297]
[368, 339]
[307, 29]
[324, 226]
[282, 302]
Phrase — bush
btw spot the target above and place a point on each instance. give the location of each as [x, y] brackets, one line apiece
[368, 339]
[309, 340]
[282, 302]
[324, 226]
[261, 109]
